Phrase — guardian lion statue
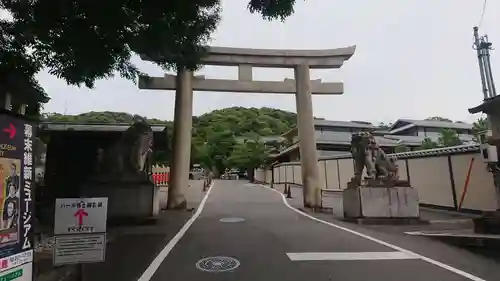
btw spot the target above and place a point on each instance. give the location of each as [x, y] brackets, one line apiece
[130, 157]
[367, 154]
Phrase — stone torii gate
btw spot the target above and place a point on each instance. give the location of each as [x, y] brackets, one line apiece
[300, 60]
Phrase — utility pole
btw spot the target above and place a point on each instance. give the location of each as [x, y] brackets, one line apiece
[483, 47]
[489, 152]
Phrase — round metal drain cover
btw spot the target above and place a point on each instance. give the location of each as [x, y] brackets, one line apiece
[217, 264]
[232, 219]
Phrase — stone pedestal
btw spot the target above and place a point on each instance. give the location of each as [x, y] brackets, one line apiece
[396, 202]
[488, 223]
[331, 202]
[128, 201]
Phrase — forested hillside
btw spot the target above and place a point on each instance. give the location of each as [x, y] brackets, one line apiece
[94, 117]
[214, 133]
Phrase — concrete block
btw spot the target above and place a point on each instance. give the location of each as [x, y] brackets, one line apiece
[381, 202]
[125, 200]
[332, 199]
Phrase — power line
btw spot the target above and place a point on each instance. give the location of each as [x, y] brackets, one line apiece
[482, 13]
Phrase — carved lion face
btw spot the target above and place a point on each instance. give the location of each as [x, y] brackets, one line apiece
[361, 140]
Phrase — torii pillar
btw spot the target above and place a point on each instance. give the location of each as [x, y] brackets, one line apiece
[300, 60]
[181, 144]
[307, 137]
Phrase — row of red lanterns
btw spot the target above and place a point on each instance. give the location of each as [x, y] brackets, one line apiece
[160, 178]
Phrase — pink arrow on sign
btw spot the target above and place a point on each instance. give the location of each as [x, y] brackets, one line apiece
[80, 214]
[11, 130]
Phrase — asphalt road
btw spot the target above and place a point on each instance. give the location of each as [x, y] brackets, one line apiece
[276, 243]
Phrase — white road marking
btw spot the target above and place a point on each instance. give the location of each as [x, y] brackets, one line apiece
[394, 247]
[155, 264]
[350, 256]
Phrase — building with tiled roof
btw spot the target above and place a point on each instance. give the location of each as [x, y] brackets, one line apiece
[334, 137]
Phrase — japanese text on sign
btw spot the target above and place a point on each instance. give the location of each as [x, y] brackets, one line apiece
[27, 176]
[80, 215]
[16, 260]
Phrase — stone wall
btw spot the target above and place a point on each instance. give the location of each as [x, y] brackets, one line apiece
[438, 174]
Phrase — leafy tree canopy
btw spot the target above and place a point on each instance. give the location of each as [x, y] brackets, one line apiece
[447, 138]
[438, 118]
[427, 143]
[384, 126]
[214, 133]
[479, 127]
[93, 117]
[84, 41]
[251, 153]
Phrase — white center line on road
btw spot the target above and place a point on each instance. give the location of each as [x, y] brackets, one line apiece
[394, 247]
[155, 264]
[350, 256]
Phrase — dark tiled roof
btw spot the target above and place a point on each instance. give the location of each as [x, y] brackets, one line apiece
[434, 124]
[420, 153]
[344, 138]
[346, 124]
[488, 106]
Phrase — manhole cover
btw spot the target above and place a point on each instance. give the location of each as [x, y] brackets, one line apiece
[232, 220]
[217, 264]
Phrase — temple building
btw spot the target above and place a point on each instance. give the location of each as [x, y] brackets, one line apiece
[334, 137]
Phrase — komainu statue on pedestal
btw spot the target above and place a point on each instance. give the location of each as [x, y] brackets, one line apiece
[381, 169]
[130, 157]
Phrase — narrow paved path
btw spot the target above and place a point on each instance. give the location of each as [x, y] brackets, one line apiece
[276, 243]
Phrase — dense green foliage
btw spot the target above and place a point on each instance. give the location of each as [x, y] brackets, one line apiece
[239, 120]
[447, 138]
[232, 137]
[479, 127]
[84, 41]
[218, 137]
[215, 135]
[104, 117]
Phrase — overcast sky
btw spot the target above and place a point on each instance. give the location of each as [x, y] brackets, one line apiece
[413, 60]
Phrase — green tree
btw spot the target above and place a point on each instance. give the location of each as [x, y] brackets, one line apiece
[384, 126]
[427, 143]
[213, 133]
[448, 138]
[438, 118]
[215, 150]
[248, 155]
[478, 127]
[84, 41]
[17, 71]
[401, 148]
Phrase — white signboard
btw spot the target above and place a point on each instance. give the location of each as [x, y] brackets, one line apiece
[80, 215]
[16, 260]
[79, 248]
[20, 273]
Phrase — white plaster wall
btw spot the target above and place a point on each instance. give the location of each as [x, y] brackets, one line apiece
[297, 174]
[346, 171]
[431, 177]
[481, 190]
[332, 174]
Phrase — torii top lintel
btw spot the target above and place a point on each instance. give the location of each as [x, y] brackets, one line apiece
[276, 58]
